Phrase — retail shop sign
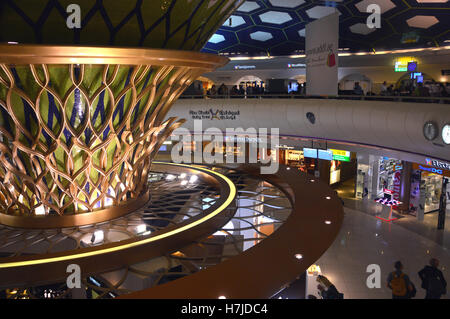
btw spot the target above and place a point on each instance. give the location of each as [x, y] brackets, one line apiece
[341, 155]
[438, 164]
[431, 169]
[218, 114]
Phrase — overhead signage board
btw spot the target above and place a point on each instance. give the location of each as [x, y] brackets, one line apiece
[310, 152]
[401, 64]
[244, 67]
[340, 155]
[326, 155]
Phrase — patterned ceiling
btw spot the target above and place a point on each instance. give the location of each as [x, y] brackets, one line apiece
[277, 27]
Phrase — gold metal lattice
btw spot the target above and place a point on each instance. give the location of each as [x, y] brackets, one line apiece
[77, 138]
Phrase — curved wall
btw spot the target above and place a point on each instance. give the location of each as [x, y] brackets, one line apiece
[387, 124]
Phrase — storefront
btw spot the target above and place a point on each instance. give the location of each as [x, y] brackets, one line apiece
[295, 158]
[375, 174]
[426, 187]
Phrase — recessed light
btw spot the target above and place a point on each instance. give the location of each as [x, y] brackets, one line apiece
[328, 197]
[328, 222]
[312, 180]
[222, 297]
[193, 179]
[298, 256]
[170, 177]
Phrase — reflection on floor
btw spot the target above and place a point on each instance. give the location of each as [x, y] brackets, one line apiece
[365, 240]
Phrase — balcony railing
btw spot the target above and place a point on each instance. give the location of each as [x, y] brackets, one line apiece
[396, 98]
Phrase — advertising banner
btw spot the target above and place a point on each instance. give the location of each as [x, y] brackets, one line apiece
[322, 44]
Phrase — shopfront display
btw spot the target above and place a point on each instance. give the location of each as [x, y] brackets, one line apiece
[389, 173]
[426, 187]
[362, 180]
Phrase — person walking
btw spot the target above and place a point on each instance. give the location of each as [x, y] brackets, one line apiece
[399, 283]
[433, 280]
[327, 290]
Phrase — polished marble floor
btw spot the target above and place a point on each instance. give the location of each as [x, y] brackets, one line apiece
[365, 240]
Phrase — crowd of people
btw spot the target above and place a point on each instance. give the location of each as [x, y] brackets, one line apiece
[235, 91]
[433, 282]
[408, 88]
[413, 88]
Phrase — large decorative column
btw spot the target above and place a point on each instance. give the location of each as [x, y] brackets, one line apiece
[80, 125]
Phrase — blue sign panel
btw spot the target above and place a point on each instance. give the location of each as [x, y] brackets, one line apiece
[326, 155]
[310, 152]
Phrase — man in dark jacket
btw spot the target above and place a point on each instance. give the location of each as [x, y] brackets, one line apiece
[433, 281]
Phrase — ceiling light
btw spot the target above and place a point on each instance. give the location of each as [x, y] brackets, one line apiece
[142, 228]
[182, 175]
[184, 182]
[298, 256]
[97, 237]
[222, 297]
[328, 197]
[193, 179]
[327, 222]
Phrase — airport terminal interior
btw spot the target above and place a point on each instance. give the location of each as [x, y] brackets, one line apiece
[224, 149]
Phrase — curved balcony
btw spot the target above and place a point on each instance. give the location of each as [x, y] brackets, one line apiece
[378, 122]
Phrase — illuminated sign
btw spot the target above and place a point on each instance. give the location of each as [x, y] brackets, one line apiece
[296, 65]
[437, 164]
[294, 155]
[244, 67]
[412, 66]
[401, 64]
[431, 169]
[340, 155]
[314, 270]
[310, 152]
[326, 155]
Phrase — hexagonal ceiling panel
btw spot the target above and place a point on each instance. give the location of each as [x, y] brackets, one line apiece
[217, 38]
[234, 21]
[404, 24]
[248, 6]
[286, 3]
[385, 5]
[423, 22]
[302, 32]
[320, 12]
[361, 28]
[261, 36]
[275, 17]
